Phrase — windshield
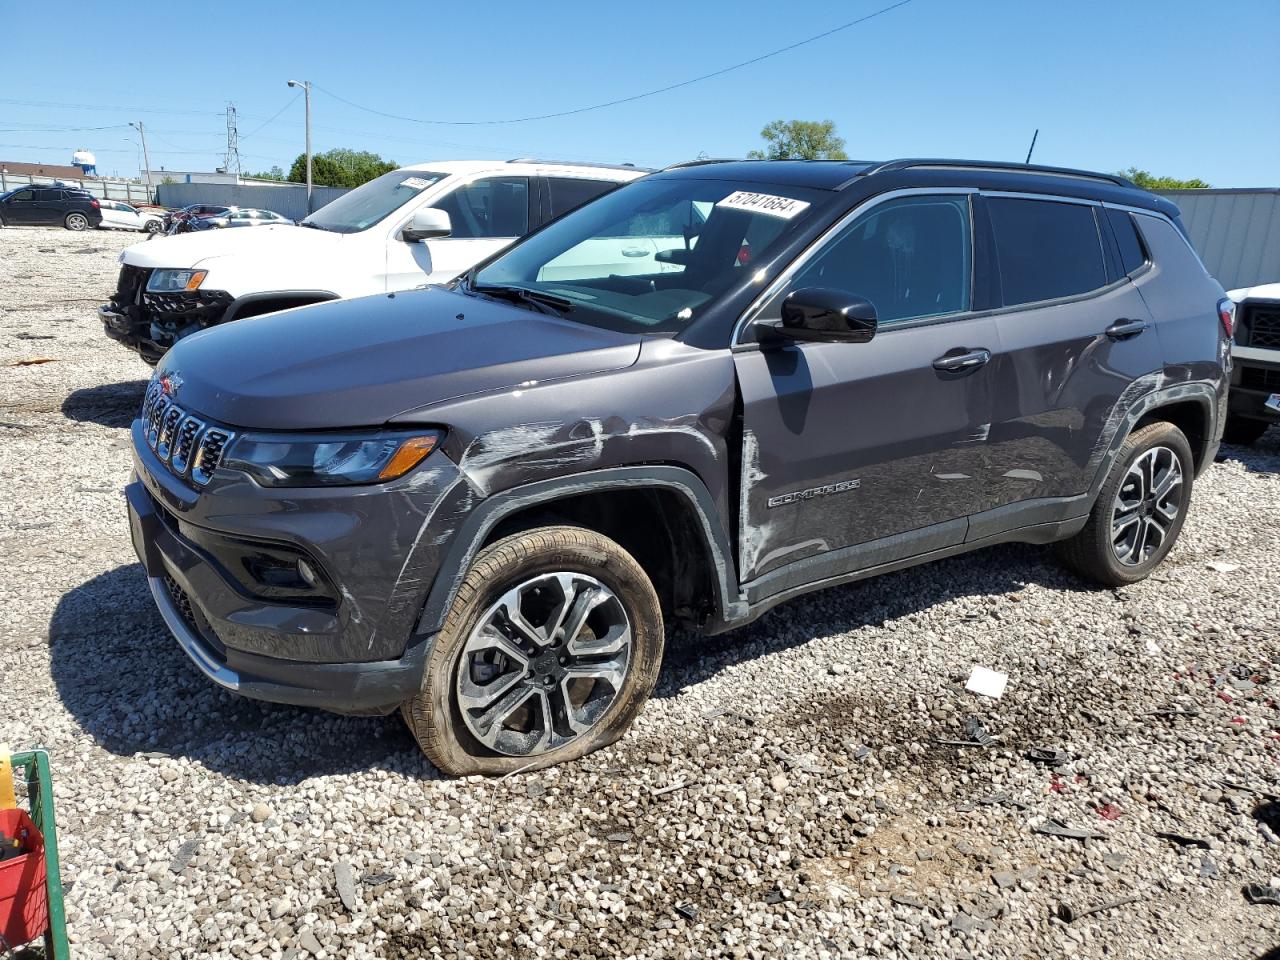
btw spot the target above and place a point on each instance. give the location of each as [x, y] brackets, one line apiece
[648, 257]
[370, 202]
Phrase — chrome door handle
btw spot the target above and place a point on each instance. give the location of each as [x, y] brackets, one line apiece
[1123, 329]
[956, 362]
[634, 251]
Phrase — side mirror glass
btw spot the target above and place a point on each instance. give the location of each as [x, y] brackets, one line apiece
[825, 315]
[427, 224]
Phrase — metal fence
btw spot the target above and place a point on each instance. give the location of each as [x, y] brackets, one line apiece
[287, 199]
[1236, 232]
[125, 190]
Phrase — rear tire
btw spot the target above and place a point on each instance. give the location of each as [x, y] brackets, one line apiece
[550, 699]
[1242, 431]
[76, 221]
[1133, 524]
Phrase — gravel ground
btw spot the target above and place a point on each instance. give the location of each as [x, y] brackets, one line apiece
[785, 793]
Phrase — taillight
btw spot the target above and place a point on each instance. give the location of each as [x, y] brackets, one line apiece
[1227, 316]
[95, 204]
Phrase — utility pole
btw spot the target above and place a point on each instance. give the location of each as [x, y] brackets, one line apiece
[146, 159]
[306, 92]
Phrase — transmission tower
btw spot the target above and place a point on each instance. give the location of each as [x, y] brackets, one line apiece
[232, 163]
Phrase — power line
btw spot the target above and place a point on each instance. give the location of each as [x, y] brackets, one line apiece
[631, 99]
[273, 117]
[51, 104]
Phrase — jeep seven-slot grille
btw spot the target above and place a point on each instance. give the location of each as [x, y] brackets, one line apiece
[1264, 328]
[187, 445]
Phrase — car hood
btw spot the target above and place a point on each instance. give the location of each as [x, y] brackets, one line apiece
[359, 363]
[191, 249]
[1263, 291]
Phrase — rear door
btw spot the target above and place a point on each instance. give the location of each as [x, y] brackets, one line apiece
[487, 214]
[1077, 347]
[562, 194]
[860, 454]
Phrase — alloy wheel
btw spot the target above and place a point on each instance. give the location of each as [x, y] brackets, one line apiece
[1146, 505]
[544, 664]
[77, 221]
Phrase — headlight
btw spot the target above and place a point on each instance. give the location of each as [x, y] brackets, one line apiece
[329, 460]
[175, 281]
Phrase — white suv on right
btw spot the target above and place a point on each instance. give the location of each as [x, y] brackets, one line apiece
[422, 224]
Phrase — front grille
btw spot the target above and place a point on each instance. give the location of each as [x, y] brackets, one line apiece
[194, 619]
[1260, 378]
[1264, 328]
[131, 283]
[187, 445]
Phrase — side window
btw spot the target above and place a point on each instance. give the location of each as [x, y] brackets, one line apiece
[910, 257]
[23, 195]
[567, 193]
[1046, 249]
[1132, 256]
[497, 207]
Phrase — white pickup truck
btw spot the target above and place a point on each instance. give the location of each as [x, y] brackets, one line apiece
[417, 225]
[1254, 399]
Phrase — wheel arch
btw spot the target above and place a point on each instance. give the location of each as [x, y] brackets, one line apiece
[686, 552]
[255, 304]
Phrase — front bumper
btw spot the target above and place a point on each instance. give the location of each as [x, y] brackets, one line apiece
[351, 648]
[1254, 381]
[151, 323]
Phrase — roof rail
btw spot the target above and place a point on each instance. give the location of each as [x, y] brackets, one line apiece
[583, 163]
[700, 162]
[1002, 167]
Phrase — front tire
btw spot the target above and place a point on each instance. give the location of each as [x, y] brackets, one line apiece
[551, 647]
[76, 222]
[152, 227]
[1242, 431]
[1139, 511]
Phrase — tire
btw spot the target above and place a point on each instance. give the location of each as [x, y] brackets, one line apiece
[533, 567]
[76, 221]
[1242, 431]
[1094, 553]
[152, 227]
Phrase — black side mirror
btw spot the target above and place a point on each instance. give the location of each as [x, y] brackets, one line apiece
[826, 315]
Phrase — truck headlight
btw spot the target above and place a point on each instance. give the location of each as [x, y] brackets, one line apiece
[329, 460]
[175, 281]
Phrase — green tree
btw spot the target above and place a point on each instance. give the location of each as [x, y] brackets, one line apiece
[1149, 181]
[800, 140]
[275, 173]
[340, 168]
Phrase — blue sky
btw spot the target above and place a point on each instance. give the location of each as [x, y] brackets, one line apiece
[1180, 87]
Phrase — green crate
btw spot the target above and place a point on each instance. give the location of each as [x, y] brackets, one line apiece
[31, 769]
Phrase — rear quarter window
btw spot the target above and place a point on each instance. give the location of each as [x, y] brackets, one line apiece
[568, 192]
[1132, 254]
[1045, 249]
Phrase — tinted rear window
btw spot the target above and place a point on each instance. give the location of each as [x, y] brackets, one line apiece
[1045, 249]
[567, 193]
[1132, 256]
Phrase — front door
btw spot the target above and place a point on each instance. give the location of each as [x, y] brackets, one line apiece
[21, 208]
[486, 215]
[860, 454]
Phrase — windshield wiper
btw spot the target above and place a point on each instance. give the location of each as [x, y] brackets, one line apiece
[545, 302]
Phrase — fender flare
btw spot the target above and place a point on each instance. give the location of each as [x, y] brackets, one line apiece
[492, 510]
[1200, 391]
[239, 303]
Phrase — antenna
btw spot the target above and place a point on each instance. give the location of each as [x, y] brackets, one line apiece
[232, 162]
[1032, 148]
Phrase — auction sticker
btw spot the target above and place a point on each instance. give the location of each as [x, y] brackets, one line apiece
[766, 203]
[415, 183]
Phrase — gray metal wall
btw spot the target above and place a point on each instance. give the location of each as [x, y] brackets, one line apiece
[1236, 232]
[287, 199]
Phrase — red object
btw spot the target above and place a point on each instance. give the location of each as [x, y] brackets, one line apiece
[1225, 697]
[95, 204]
[744, 253]
[24, 898]
[1227, 316]
[1109, 812]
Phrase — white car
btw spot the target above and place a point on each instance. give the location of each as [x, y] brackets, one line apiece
[417, 225]
[117, 215]
[241, 217]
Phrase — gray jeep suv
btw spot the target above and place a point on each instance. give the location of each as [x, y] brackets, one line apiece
[714, 389]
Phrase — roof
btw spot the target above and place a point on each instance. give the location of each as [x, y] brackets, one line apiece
[820, 174]
[463, 167]
[19, 168]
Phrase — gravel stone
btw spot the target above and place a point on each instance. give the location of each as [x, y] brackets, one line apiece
[844, 693]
